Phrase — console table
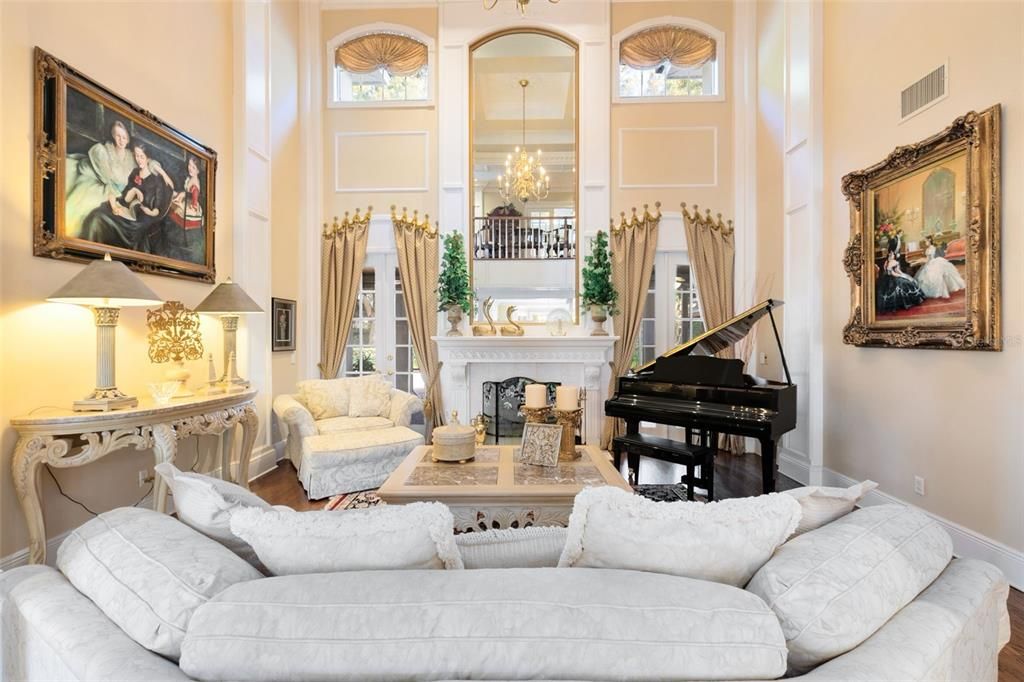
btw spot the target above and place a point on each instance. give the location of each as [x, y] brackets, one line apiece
[66, 439]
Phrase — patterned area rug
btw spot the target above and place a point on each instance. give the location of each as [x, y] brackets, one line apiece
[368, 498]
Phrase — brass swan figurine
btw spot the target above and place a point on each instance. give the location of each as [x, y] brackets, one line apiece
[488, 329]
[513, 328]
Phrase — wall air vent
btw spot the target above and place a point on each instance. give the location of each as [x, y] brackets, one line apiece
[924, 93]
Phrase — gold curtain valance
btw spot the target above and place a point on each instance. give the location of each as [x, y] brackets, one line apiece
[647, 220]
[679, 46]
[397, 54]
[706, 221]
[358, 222]
[406, 223]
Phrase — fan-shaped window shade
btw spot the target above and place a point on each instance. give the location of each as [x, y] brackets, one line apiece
[398, 55]
[674, 45]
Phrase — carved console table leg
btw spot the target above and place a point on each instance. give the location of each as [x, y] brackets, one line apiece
[227, 451]
[29, 455]
[165, 447]
[250, 428]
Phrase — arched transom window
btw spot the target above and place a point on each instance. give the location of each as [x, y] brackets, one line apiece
[382, 66]
[669, 58]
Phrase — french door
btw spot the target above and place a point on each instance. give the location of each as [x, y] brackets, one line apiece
[379, 341]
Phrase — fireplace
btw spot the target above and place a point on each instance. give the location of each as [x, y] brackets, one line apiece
[501, 401]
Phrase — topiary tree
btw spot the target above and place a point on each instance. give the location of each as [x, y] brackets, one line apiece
[453, 284]
[597, 277]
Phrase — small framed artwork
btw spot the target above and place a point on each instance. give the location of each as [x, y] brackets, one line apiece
[282, 320]
[923, 256]
[110, 177]
[540, 444]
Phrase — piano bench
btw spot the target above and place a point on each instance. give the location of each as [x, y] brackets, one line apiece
[637, 445]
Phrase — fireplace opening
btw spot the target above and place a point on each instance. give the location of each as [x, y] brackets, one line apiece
[502, 401]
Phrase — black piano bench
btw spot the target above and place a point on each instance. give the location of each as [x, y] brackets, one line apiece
[637, 445]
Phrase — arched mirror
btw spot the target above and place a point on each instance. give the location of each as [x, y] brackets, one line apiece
[523, 151]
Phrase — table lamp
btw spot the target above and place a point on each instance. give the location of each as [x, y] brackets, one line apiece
[106, 286]
[229, 301]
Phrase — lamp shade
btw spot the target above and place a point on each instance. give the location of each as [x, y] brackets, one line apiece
[106, 283]
[228, 298]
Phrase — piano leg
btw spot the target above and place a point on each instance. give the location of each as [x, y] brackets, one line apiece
[768, 469]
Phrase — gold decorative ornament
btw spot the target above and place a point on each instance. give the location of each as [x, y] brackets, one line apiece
[706, 220]
[521, 5]
[357, 222]
[569, 421]
[513, 328]
[879, 251]
[633, 222]
[489, 329]
[535, 415]
[524, 177]
[174, 337]
[479, 424]
[407, 223]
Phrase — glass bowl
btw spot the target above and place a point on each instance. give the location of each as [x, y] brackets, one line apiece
[163, 391]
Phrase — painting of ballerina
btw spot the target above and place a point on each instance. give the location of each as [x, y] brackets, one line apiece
[118, 180]
[919, 249]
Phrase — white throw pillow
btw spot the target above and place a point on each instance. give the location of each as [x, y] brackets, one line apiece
[206, 504]
[369, 397]
[325, 398]
[833, 587]
[417, 535]
[724, 542]
[821, 504]
[511, 624]
[148, 573]
[532, 547]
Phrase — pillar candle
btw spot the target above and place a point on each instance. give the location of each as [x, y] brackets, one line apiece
[567, 398]
[536, 395]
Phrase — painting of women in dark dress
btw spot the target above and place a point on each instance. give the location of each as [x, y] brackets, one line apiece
[113, 178]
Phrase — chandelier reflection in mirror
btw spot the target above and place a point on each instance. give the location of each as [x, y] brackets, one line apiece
[524, 177]
[520, 5]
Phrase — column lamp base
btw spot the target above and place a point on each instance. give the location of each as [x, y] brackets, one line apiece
[105, 400]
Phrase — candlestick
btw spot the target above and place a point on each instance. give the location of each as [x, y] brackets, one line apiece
[570, 420]
[567, 397]
[536, 415]
[536, 395]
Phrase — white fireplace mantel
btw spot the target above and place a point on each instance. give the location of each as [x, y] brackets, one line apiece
[468, 361]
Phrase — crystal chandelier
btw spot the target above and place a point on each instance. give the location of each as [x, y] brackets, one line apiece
[520, 5]
[524, 177]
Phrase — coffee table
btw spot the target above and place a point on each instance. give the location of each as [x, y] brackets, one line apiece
[495, 491]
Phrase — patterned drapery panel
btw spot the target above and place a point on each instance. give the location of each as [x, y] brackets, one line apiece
[397, 54]
[634, 243]
[341, 265]
[418, 265]
[712, 259]
[676, 45]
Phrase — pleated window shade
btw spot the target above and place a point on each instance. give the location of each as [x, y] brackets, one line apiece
[676, 45]
[397, 54]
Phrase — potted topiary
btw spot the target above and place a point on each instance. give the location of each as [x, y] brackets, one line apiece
[453, 291]
[599, 296]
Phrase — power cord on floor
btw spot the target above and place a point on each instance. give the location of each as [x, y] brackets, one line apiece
[82, 504]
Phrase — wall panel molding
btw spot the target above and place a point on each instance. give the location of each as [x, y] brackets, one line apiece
[420, 136]
[671, 152]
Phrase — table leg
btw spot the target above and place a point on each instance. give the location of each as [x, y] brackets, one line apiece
[29, 455]
[165, 447]
[227, 451]
[250, 428]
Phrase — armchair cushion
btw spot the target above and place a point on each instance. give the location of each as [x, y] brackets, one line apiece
[369, 396]
[347, 424]
[325, 398]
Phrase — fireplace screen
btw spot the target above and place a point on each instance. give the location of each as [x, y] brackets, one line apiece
[501, 403]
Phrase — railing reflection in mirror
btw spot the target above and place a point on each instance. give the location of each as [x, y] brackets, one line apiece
[524, 238]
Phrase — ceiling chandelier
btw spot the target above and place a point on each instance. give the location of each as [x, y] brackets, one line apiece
[520, 5]
[524, 177]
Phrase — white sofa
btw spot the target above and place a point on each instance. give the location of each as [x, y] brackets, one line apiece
[952, 630]
[347, 434]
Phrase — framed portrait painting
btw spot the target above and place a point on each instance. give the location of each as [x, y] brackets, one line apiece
[110, 177]
[923, 256]
[282, 320]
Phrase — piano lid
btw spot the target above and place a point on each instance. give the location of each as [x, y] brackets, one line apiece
[724, 335]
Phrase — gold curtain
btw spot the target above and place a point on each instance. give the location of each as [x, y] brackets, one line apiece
[633, 245]
[341, 267]
[397, 54]
[712, 261]
[676, 45]
[418, 265]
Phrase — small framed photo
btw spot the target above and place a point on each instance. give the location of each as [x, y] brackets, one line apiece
[540, 444]
[282, 321]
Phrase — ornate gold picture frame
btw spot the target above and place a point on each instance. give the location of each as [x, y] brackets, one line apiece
[923, 257]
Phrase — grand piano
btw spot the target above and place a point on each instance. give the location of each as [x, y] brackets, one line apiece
[689, 387]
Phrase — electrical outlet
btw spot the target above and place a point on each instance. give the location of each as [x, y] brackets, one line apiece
[764, 358]
[919, 485]
[143, 477]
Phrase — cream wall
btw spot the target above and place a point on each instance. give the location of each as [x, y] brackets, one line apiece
[284, 154]
[643, 158]
[49, 349]
[954, 418]
[376, 161]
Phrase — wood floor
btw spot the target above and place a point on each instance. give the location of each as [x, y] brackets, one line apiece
[735, 476]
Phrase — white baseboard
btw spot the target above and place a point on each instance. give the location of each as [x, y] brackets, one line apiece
[264, 459]
[966, 543]
[794, 466]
